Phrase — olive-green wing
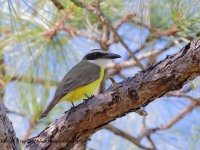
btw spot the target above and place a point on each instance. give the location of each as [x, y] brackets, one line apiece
[80, 75]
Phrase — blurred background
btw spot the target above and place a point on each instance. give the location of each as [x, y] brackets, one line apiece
[40, 42]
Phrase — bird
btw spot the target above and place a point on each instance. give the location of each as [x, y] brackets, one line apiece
[83, 79]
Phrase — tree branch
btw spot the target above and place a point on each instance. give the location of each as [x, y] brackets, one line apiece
[16, 113]
[126, 136]
[172, 31]
[151, 142]
[74, 32]
[131, 63]
[61, 25]
[83, 120]
[125, 18]
[32, 125]
[182, 95]
[178, 117]
[182, 114]
[8, 139]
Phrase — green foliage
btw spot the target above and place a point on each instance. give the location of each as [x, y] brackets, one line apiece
[160, 14]
[185, 16]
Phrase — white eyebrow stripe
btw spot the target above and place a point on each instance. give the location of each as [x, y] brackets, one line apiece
[97, 50]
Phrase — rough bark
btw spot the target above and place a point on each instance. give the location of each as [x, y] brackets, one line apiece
[8, 140]
[85, 119]
[80, 146]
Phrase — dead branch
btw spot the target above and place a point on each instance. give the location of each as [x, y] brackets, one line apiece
[126, 136]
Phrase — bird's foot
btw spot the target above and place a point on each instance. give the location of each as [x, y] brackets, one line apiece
[88, 97]
[72, 105]
[70, 108]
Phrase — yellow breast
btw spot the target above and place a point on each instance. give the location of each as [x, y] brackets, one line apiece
[79, 93]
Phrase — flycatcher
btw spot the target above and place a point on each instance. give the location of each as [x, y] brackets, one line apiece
[83, 79]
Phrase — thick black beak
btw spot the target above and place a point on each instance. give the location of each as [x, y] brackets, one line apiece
[111, 56]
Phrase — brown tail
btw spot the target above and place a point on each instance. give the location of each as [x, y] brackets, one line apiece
[49, 107]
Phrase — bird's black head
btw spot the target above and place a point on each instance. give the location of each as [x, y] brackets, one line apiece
[100, 54]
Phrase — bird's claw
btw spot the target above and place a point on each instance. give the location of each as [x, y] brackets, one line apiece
[88, 97]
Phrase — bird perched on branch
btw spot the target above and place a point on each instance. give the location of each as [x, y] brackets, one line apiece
[83, 79]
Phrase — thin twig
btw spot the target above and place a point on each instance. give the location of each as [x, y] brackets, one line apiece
[125, 136]
[131, 63]
[142, 46]
[16, 112]
[151, 142]
[122, 75]
[104, 38]
[183, 113]
[125, 18]
[60, 25]
[172, 122]
[159, 32]
[74, 32]
[31, 80]
[115, 86]
[181, 95]
[32, 124]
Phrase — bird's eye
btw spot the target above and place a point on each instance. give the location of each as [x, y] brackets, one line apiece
[93, 56]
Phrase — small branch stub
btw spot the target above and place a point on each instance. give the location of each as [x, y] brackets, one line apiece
[116, 94]
[141, 111]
